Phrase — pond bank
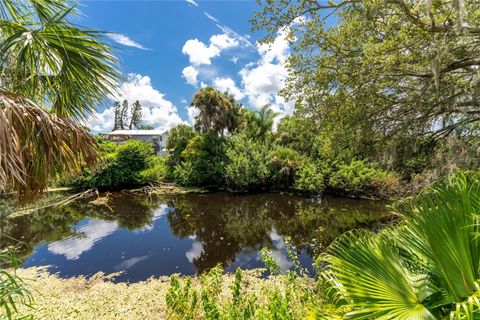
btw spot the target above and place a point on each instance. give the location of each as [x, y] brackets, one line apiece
[96, 298]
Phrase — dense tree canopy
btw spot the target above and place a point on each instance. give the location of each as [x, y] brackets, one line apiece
[391, 67]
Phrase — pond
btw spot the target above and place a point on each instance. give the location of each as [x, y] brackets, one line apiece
[184, 234]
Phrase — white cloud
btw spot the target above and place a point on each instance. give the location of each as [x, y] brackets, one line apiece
[278, 51]
[223, 41]
[263, 79]
[88, 234]
[210, 17]
[279, 254]
[192, 112]
[200, 53]
[227, 84]
[190, 74]
[192, 2]
[234, 59]
[125, 40]
[226, 30]
[156, 110]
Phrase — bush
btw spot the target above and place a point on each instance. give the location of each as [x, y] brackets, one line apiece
[359, 178]
[283, 165]
[309, 178]
[131, 164]
[246, 167]
[203, 162]
[156, 171]
[282, 297]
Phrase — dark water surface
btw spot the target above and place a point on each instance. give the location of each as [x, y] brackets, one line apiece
[185, 234]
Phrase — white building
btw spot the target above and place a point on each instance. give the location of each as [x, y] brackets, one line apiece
[157, 138]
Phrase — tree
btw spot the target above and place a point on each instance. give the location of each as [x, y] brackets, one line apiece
[216, 111]
[177, 141]
[136, 117]
[391, 67]
[262, 122]
[53, 73]
[118, 116]
[124, 114]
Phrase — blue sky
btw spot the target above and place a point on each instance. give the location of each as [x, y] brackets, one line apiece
[170, 49]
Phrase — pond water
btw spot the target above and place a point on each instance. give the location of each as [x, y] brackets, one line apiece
[185, 234]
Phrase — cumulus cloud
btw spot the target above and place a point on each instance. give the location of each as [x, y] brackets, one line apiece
[190, 74]
[200, 53]
[227, 84]
[157, 111]
[125, 40]
[263, 79]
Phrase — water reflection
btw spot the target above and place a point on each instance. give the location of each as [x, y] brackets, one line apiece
[184, 233]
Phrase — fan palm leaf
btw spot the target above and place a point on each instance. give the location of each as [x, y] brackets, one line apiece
[367, 271]
[426, 268]
[52, 73]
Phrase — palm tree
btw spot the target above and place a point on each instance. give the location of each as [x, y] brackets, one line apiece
[263, 120]
[53, 73]
[214, 109]
[426, 268]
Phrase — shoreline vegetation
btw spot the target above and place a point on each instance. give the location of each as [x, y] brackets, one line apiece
[384, 103]
[160, 298]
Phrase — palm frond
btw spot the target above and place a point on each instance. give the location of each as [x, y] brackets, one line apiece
[36, 145]
[367, 272]
[56, 64]
[441, 232]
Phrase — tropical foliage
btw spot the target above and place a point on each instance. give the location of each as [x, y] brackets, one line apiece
[217, 111]
[53, 72]
[252, 156]
[129, 165]
[403, 92]
[13, 291]
[427, 267]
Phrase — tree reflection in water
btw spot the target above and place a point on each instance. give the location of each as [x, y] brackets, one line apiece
[220, 226]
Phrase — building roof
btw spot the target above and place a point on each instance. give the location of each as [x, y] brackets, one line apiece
[136, 133]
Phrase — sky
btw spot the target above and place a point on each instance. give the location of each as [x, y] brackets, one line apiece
[168, 50]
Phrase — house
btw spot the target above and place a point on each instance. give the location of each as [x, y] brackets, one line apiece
[157, 138]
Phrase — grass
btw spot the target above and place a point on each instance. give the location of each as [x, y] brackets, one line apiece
[99, 299]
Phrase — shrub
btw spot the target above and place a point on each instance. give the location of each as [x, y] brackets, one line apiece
[202, 162]
[131, 164]
[309, 178]
[283, 165]
[178, 139]
[246, 167]
[251, 298]
[156, 171]
[359, 178]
